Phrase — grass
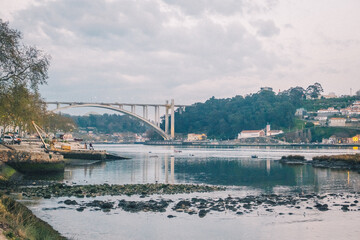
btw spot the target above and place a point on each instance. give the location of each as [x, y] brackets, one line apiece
[6, 172]
[36, 167]
[20, 223]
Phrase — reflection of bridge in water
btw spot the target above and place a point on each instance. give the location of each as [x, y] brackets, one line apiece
[130, 110]
[154, 169]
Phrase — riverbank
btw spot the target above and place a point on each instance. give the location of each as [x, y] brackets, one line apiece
[63, 190]
[18, 222]
[235, 143]
[173, 202]
[343, 161]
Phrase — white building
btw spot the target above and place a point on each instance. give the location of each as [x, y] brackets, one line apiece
[337, 122]
[327, 112]
[251, 134]
[8, 129]
[270, 132]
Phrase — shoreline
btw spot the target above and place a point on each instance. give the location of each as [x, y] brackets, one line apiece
[18, 222]
[342, 161]
[192, 203]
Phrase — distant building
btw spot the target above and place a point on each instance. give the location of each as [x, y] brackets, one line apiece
[251, 134]
[337, 122]
[300, 112]
[321, 120]
[266, 89]
[354, 139]
[330, 95]
[196, 137]
[327, 112]
[354, 109]
[270, 132]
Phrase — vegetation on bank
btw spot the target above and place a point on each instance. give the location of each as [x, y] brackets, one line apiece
[350, 158]
[23, 69]
[18, 222]
[6, 172]
[224, 118]
[314, 105]
[318, 133]
[109, 123]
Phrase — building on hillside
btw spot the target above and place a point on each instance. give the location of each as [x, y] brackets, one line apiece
[196, 137]
[266, 89]
[269, 132]
[327, 112]
[353, 109]
[300, 112]
[354, 139]
[337, 122]
[251, 134]
[330, 95]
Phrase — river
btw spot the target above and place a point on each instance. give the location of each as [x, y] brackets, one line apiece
[230, 167]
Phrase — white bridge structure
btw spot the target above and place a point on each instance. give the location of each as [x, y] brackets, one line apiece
[130, 109]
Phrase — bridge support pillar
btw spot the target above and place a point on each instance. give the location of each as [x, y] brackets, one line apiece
[145, 112]
[157, 110]
[167, 117]
[133, 108]
[172, 131]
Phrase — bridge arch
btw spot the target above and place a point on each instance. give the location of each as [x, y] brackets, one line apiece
[116, 109]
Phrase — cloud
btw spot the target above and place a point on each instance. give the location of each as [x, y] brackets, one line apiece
[266, 28]
[147, 50]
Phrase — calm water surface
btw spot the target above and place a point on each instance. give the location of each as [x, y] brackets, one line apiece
[231, 167]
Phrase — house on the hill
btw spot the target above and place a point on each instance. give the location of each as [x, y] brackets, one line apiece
[251, 134]
[337, 122]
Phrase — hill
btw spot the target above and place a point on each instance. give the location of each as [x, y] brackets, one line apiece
[225, 118]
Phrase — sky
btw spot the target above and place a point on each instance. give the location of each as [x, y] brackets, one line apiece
[149, 51]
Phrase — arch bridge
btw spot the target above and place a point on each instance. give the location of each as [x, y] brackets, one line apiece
[130, 110]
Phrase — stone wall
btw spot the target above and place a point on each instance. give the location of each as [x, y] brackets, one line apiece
[27, 156]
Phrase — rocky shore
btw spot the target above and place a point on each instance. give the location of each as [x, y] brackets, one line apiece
[63, 190]
[80, 198]
[264, 204]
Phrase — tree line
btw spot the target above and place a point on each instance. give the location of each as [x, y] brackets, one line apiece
[109, 123]
[225, 118]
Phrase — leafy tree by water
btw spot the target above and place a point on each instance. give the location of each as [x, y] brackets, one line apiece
[20, 64]
[22, 69]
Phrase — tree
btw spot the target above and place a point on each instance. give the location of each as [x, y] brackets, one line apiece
[22, 69]
[20, 64]
[314, 90]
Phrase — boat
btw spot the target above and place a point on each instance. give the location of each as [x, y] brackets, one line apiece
[254, 156]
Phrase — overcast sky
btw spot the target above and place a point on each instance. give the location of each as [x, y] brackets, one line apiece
[147, 51]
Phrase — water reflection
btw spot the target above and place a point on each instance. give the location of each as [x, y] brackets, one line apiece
[265, 174]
